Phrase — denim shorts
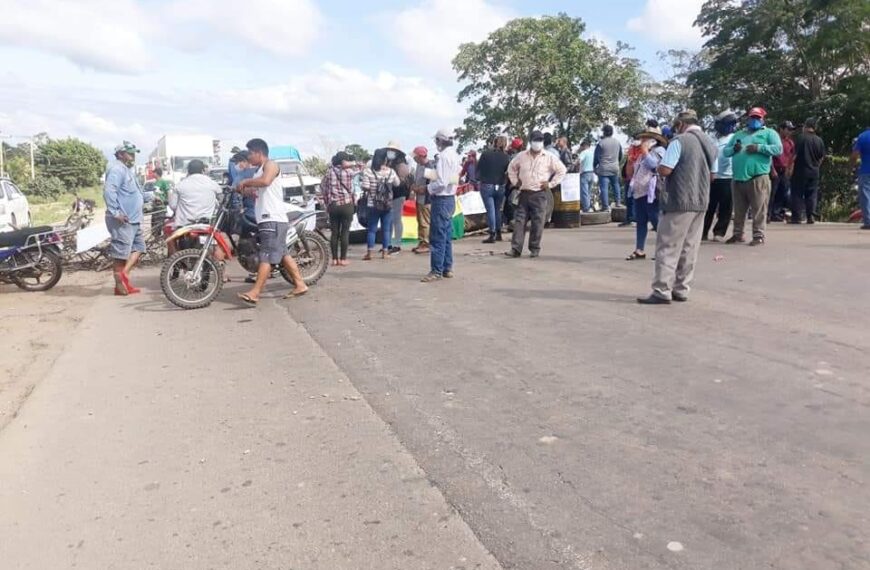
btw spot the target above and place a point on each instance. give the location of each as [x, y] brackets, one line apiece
[126, 238]
[273, 241]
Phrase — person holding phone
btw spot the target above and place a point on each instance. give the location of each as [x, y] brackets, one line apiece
[752, 150]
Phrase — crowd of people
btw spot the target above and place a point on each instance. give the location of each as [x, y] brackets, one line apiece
[677, 181]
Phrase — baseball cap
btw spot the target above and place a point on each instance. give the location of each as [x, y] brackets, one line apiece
[726, 116]
[517, 144]
[421, 151]
[444, 134]
[536, 136]
[757, 112]
[688, 115]
[127, 147]
[787, 125]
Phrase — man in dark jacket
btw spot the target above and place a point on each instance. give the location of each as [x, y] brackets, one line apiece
[809, 154]
[687, 165]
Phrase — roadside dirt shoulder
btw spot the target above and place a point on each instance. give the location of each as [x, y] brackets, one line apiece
[34, 330]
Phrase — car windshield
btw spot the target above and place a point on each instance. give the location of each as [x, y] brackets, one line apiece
[290, 168]
[179, 163]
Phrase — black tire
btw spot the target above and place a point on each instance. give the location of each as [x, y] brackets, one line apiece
[191, 296]
[50, 263]
[618, 214]
[594, 218]
[566, 220]
[313, 260]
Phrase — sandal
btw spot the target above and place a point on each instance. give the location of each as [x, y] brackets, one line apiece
[248, 300]
[367, 257]
[294, 294]
[635, 255]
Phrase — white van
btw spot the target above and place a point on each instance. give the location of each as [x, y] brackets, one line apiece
[14, 208]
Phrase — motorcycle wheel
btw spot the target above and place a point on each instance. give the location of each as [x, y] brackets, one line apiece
[43, 276]
[186, 294]
[313, 261]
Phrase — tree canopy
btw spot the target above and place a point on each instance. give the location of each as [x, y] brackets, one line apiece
[75, 163]
[541, 72]
[797, 58]
[358, 153]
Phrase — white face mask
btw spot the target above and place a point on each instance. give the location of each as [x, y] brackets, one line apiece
[391, 155]
[537, 146]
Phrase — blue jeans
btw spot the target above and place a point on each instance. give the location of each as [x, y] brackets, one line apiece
[586, 180]
[864, 197]
[604, 183]
[441, 234]
[645, 214]
[385, 217]
[629, 207]
[493, 199]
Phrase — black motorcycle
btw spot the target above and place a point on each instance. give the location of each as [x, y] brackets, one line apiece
[31, 258]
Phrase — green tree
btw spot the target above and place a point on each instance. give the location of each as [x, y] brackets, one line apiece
[541, 72]
[358, 152]
[666, 97]
[315, 165]
[18, 169]
[798, 58]
[75, 163]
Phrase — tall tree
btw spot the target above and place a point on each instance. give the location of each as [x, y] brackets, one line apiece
[798, 58]
[358, 152]
[75, 163]
[541, 72]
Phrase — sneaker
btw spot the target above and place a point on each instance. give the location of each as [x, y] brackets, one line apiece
[680, 298]
[735, 239]
[449, 274]
[705, 238]
[432, 276]
[535, 254]
[756, 242]
[395, 249]
[653, 300]
[513, 254]
[865, 227]
[718, 239]
[498, 236]
[490, 239]
[811, 221]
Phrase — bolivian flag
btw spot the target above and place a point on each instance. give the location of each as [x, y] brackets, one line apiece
[409, 221]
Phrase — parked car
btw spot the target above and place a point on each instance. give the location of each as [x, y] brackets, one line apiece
[14, 208]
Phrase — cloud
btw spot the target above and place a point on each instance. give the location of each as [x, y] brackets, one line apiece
[337, 94]
[430, 33]
[670, 23]
[91, 33]
[281, 27]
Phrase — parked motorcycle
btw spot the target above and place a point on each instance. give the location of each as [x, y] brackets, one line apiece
[192, 278]
[31, 258]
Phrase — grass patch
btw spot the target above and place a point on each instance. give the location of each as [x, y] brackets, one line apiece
[56, 211]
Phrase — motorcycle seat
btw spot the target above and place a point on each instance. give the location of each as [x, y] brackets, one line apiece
[294, 216]
[19, 237]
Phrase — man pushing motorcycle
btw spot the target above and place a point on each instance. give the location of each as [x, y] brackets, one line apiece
[272, 224]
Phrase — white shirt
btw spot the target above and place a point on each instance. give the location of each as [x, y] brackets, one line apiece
[270, 205]
[447, 168]
[195, 198]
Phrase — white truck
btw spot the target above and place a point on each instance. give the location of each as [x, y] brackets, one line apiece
[174, 153]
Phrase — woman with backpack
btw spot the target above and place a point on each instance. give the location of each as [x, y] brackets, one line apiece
[378, 182]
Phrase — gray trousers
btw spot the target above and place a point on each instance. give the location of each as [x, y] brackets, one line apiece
[755, 194]
[398, 228]
[677, 245]
[532, 208]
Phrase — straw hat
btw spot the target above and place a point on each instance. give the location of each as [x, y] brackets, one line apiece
[393, 145]
[654, 133]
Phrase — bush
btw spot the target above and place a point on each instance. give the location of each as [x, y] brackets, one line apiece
[46, 187]
[838, 196]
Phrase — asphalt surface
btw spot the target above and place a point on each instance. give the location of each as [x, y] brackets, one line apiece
[527, 414]
[573, 428]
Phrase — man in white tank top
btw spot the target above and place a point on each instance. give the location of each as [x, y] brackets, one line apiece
[272, 224]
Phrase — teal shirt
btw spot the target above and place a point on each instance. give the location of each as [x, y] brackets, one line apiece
[747, 166]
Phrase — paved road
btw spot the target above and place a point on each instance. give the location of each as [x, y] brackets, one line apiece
[217, 439]
[568, 427]
[573, 428]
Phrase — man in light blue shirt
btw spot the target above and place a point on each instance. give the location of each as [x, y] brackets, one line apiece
[721, 205]
[124, 202]
[587, 174]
